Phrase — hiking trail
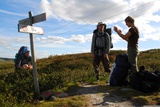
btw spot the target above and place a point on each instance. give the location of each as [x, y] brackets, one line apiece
[98, 97]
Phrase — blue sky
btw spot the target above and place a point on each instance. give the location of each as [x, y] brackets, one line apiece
[70, 23]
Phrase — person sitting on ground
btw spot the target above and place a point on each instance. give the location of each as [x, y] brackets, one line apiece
[24, 61]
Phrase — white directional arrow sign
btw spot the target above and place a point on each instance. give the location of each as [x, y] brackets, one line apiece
[30, 29]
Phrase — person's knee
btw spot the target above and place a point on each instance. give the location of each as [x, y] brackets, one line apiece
[25, 66]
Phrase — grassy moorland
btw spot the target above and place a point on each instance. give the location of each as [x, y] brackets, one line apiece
[65, 73]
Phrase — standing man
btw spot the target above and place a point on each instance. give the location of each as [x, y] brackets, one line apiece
[131, 37]
[100, 48]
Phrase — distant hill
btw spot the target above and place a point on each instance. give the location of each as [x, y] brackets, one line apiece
[6, 59]
[112, 51]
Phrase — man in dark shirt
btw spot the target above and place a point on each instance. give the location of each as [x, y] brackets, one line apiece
[131, 37]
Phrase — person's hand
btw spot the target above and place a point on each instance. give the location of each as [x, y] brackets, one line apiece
[119, 31]
[115, 29]
[30, 67]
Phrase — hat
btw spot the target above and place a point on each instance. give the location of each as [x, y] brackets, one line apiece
[100, 23]
[25, 50]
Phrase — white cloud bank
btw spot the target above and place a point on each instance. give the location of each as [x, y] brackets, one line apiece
[92, 11]
[109, 11]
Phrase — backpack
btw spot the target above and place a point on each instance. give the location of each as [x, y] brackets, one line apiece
[20, 53]
[119, 71]
[145, 81]
[107, 30]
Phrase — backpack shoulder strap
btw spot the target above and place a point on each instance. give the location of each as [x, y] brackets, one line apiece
[95, 31]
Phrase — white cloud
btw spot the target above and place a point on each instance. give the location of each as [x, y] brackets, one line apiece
[56, 39]
[62, 40]
[88, 37]
[84, 11]
[46, 7]
[8, 41]
[78, 38]
[116, 38]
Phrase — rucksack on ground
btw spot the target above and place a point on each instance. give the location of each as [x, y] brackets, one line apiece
[119, 71]
[107, 30]
[20, 53]
[145, 81]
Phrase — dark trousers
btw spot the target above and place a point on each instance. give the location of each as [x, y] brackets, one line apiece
[96, 64]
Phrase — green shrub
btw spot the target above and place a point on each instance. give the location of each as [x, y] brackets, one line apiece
[56, 72]
[20, 84]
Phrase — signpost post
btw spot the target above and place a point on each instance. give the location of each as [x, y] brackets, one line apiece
[26, 25]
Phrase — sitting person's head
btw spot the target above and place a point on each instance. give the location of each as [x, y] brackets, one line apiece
[26, 52]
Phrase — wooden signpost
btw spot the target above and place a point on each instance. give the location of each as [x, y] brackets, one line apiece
[35, 19]
[26, 26]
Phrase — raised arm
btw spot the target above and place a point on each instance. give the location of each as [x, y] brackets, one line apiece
[123, 36]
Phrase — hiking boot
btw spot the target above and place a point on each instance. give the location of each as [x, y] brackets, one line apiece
[107, 83]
